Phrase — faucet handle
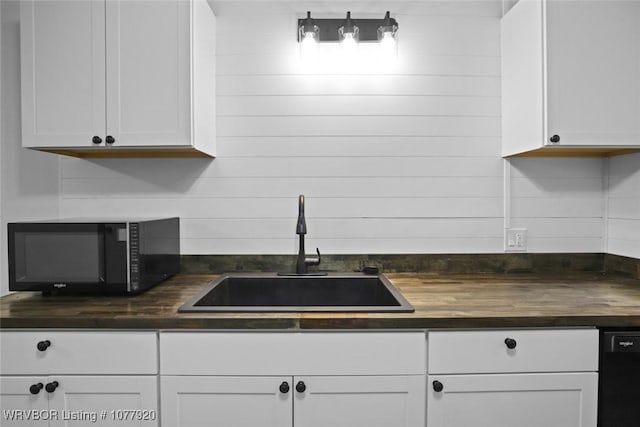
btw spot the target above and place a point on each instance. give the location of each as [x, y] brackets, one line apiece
[313, 261]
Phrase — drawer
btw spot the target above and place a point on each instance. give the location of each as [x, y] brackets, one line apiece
[86, 352]
[551, 350]
[292, 353]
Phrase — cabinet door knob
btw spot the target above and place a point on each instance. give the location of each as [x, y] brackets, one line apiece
[555, 139]
[110, 139]
[43, 345]
[284, 387]
[96, 140]
[35, 388]
[301, 387]
[438, 386]
[510, 343]
[51, 387]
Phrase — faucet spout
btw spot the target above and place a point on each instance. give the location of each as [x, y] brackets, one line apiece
[301, 229]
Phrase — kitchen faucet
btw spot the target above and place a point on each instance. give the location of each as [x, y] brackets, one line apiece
[301, 230]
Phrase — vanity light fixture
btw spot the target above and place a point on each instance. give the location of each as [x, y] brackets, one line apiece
[349, 31]
[308, 31]
[387, 35]
[349, 34]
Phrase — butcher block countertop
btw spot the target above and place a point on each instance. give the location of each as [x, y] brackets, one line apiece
[440, 301]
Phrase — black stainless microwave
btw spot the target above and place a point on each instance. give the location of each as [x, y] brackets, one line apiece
[89, 256]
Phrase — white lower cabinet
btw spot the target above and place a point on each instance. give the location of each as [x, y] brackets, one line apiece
[349, 379]
[367, 401]
[191, 401]
[513, 400]
[78, 378]
[513, 378]
[462, 378]
[79, 401]
[17, 402]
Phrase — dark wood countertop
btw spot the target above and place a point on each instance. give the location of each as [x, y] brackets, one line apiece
[440, 301]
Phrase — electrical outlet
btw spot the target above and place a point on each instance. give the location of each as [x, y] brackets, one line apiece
[515, 240]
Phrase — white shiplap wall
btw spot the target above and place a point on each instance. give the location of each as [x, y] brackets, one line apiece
[560, 201]
[393, 158]
[623, 222]
[29, 180]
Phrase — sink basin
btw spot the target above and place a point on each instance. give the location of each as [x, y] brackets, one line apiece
[269, 292]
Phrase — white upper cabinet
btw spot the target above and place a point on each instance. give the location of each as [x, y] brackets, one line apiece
[118, 78]
[571, 78]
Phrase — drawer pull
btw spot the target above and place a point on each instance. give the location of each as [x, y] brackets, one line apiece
[51, 387]
[301, 387]
[44, 345]
[510, 343]
[284, 387]
[35, 388]
[438, 386]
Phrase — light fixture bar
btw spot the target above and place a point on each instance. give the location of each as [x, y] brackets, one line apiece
[328, 28]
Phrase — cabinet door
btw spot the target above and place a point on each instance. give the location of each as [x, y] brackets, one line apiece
[201, 401]
[63, 72]
[362, 401]
[19, 406]
[148, 73]
[593, 64]
[518, 400]
[104, 401]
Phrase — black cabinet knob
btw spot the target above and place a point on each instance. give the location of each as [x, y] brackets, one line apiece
[35, 388]
[51, 387]
[510, 343]
[301, 387]
[43, 345]
[284, 387]
[109, 139]
[555, 139]
[96, 140]
[438, 386]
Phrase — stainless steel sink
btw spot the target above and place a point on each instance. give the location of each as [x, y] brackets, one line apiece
[269, 292]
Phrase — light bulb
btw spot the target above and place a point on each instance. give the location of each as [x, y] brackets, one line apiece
[309, 46]
[349, 43]
[388, 44]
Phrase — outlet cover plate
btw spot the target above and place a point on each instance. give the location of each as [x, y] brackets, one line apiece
[515, 240]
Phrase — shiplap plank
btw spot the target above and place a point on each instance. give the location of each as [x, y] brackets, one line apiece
[560, 227]
[345, 246]
[624, 186]
[558, 187]
[628, 248]
[358, 85]
[358, 126]
[339, 105]
[564, 245]
[358, 146]
[289, 61]
[625, 166]
[184, 169]
[557, 207]
[564, 168]
[391, 187]
[624, 229]
[624, 208]
[350, 228]
[481, 207]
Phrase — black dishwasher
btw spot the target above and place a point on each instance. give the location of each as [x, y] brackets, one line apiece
[619, 377]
